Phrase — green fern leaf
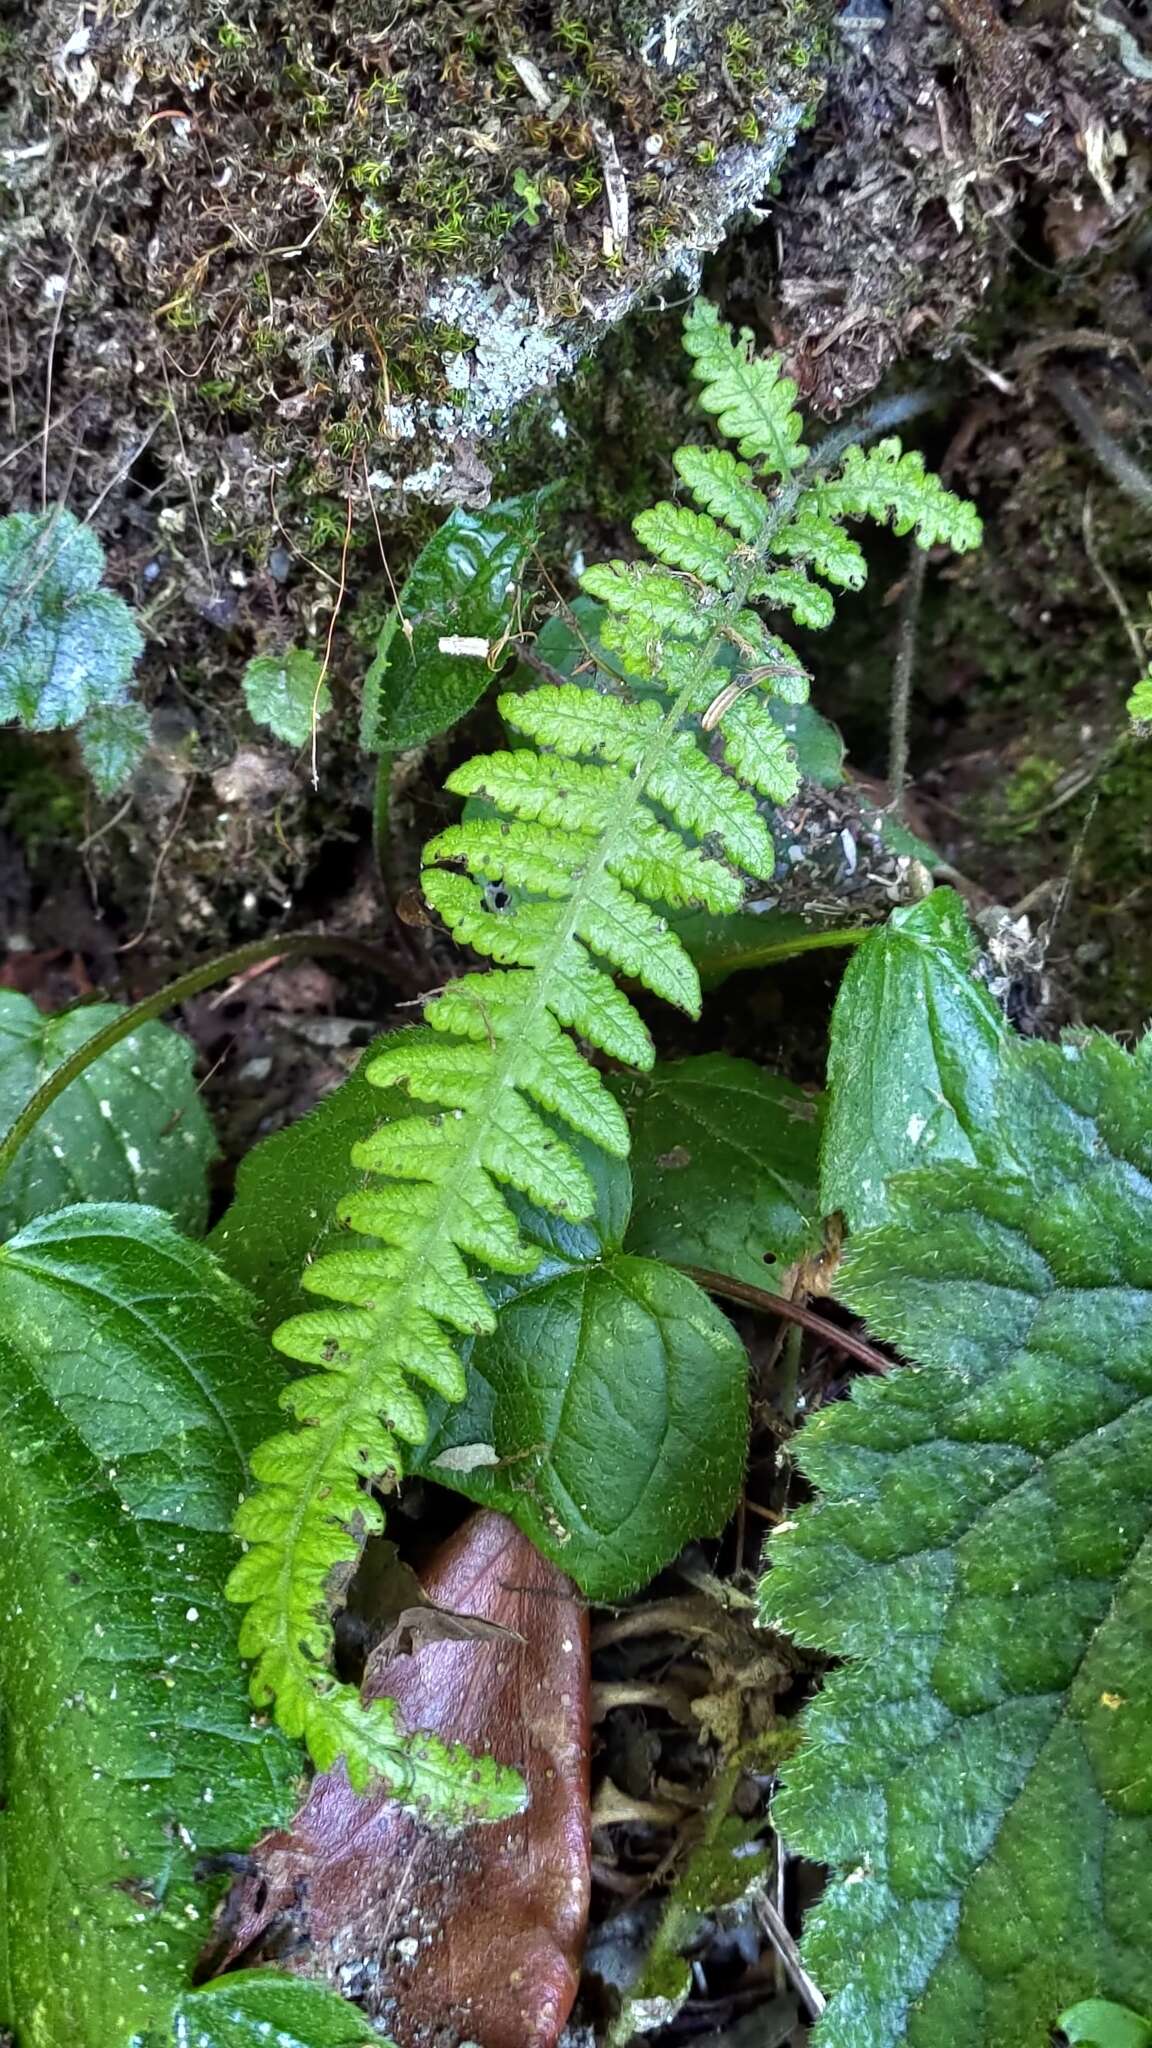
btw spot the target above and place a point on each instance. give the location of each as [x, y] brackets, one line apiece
[687, 540]
[886, 482]
[753, 404]
[726, 488]
[759, 751]
[813, 536]
[613, 815]
[792, 590]
[979, 1776]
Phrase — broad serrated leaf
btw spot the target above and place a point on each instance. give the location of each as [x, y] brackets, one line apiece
[979, 1776]
[463, 585]
[286, 693]
[262, 2009]
[914, 1058]
[66, 644]
[268, 1236]
[724, 1167]
[132, 1384]
[113, 742]
[131, 1128]
[614, 1394]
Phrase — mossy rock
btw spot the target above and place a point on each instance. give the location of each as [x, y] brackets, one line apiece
[349, 248]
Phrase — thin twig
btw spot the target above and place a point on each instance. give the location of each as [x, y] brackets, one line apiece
[121, 473]
[902, 675]
[789, 1954]
[327, 661]
[731, 1289]
[187, 468]
[1111, 586]
[180, 991]
[51, 368]
[14, 454]
[1122, 467]
[131, 944]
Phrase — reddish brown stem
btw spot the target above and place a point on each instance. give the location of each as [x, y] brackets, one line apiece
[731, 1289]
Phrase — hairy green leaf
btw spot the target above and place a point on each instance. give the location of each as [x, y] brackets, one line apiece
[979, 1776]
[131, 1128]
[915, 1058]
[463, 585]
[113, 742]
[262, 2009]
[132, 1386]
[66, 644]
[724, 1167]
[285, 692]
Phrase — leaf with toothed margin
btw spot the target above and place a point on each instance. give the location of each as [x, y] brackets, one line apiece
[978, 1775]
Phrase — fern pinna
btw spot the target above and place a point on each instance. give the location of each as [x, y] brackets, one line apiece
[631, 791]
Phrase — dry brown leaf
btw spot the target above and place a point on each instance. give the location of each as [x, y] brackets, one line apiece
[474, 1936]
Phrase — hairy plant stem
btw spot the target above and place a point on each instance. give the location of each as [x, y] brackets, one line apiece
[381, 809]
[902, 679]
[288, 945]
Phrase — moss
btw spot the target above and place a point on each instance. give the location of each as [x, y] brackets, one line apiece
[339, 177]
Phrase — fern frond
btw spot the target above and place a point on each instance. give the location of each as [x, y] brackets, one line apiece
[886, 482]
[813, 536]
[610, 808]
[753, 403]
[724, 487]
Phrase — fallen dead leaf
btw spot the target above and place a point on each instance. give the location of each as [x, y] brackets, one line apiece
[474, 1936]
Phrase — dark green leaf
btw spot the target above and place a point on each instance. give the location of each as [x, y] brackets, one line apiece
[1097, 2024]
[979, 1775]
[284, 692]
[463, 585]
[132, 1386]
[262, 2009]
[819, 747]
[614, 1395]
[283, 1211]
[750, 939]
[613, 1386]
[66, 645]
[915, 1057]
[725, 1161]
[132, 1128]
[113, 742]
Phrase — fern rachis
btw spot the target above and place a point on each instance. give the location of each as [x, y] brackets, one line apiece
[595, 833]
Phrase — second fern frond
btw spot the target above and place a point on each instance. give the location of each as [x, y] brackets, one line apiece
[628, 792]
